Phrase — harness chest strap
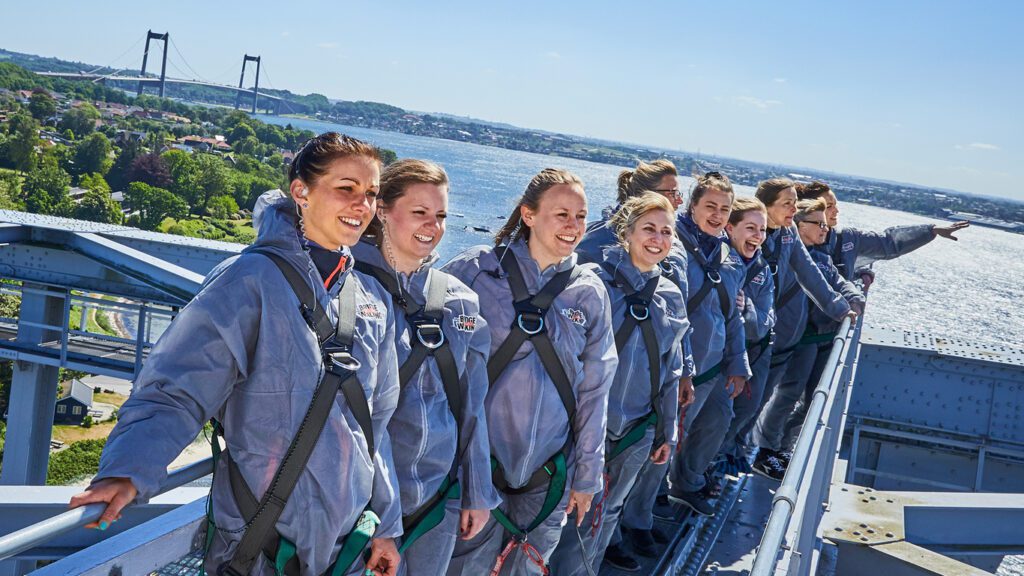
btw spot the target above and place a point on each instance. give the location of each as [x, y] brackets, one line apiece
[339, 373]
[638, 314]
[529, 324]
[712, 278]
[427, 339]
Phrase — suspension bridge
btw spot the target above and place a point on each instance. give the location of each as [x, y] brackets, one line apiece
[110, 73]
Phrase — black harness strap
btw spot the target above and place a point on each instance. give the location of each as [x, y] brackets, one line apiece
[529, 324]
[837, 255]
[771, 258]
[638, 314]
[712, 278]
[427, 338]
[339, 374]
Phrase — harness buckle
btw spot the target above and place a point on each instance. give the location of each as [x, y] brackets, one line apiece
[430, 335]
[538, 319]
[773, 268]
[646, 312]
[714, 277]
[340, 358]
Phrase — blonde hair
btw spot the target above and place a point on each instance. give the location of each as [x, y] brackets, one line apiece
[624, 221]
[643, 178]
[397, 177]
[539, 184]
[744, 204]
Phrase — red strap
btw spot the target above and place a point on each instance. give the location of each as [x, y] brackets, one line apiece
[595, 521]
[682, 432]
[341, 264]
[531, 552]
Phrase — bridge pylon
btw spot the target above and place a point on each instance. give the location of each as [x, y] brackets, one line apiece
[241, 82]
[165, 37]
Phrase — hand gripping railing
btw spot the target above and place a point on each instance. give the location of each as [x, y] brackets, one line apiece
[785, 500]
[39, 533]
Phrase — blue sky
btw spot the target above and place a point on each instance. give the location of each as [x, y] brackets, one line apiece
[927, 92]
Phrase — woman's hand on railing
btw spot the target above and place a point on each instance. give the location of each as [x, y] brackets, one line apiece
[384, 557]
[116, 493]
[471, 522]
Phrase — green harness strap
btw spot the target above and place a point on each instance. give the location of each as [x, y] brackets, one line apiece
[556, 471]
[431, 514]
[351, 547]
[811, 338]
[707, 376]
[635, 434]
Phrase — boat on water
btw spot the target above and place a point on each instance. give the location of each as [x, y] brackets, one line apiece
[911, 460]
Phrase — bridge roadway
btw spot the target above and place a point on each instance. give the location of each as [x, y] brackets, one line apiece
[95, 355]
[152, 80]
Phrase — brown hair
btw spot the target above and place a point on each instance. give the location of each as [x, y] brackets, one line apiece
[805, 208]
[317, 153]
[396, 178]
[634, 208]
[813, 190]
[744, 204]
[539, 184]
[706, 183]
[644, 178]
[768, 190]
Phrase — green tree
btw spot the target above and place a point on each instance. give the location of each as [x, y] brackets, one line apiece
[213, 179]
[153, 204]
[98, 206]
[21, 146]
[92, 155]
[94, 182]
[46, 188]
[10, 193]
[42, 105]
[184, 172]
[80, 120]
[247, 145]
[242, 130]
[221, 207]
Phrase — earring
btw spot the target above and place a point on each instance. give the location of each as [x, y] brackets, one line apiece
[305, 204]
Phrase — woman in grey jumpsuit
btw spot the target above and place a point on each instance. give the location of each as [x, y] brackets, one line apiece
[442, 459]
[241, 352]
[527, 419]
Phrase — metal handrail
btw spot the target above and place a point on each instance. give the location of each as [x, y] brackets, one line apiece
[39, 533]
[784, 502]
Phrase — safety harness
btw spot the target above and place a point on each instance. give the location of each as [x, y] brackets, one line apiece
[712, 278]
[761, 345]
[638, 315]
[259, 533]
[529, 324]
[427, 338]
[771, 258]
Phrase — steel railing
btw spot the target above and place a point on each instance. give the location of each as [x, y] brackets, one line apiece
[812, 448]
[41, 532]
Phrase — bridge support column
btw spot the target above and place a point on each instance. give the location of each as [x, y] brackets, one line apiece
[33, 391]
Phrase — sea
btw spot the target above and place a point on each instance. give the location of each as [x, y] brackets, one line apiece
[971, 288]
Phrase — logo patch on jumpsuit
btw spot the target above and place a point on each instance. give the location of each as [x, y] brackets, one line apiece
[847, 246]
[787, 239]
[464, 323]
[759, 279]
[369, 310]
[575, 316]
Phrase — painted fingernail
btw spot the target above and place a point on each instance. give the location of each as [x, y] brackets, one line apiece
[104, 525]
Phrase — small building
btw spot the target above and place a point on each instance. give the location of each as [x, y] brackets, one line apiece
[73, 406]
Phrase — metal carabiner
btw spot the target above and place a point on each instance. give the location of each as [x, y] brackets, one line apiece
[714, 276]
[632, 312]
[345, 361]
[430, 345]
[538, 330]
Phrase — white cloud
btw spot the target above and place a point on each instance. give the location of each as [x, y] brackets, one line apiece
[779, 80]
[327, 45]
[976, 146]
[286, 33]
[758, 103]
[552, 55]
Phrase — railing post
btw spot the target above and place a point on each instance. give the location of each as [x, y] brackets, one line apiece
[140, 331]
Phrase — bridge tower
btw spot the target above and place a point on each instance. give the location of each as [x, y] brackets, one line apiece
[241, 81]
[165, 37]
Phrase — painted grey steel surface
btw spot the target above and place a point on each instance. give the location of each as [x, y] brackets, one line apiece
[42, 532]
